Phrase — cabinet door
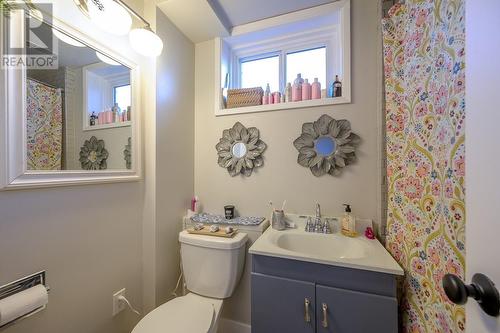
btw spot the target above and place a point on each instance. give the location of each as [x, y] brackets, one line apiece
[282, 305]
[347, 311]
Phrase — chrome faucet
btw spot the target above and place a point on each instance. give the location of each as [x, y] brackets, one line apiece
[317, 226]
[318, 211]
[317, 220]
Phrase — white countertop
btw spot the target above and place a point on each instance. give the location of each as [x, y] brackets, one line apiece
[330, 249]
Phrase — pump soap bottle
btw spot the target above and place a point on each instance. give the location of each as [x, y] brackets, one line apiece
[348, 222]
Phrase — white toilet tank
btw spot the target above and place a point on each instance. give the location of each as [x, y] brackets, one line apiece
[212, 265]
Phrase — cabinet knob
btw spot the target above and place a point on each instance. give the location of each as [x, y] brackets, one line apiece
[307, 316]
[482, 289]
[324, 322]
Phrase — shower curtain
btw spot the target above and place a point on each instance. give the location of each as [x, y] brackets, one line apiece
[424, 44]
[44, 126]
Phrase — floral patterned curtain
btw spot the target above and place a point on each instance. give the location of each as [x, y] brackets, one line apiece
[424, 58]
[44, 126]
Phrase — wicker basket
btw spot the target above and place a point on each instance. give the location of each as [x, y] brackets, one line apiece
[244, 97]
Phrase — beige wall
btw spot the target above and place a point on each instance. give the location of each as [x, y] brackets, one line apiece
[175, 149]
[281, 177]
[88, 240]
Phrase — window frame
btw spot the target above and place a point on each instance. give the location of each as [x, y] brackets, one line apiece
[119, 86]
[282, 50]
[238, 73]
[309, 28]
[328, 64]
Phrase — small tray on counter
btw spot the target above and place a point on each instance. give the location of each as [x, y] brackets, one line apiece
[206, 231]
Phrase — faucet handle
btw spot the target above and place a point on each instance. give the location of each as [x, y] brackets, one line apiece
[326, 227]
[308, 225]
[317, 225]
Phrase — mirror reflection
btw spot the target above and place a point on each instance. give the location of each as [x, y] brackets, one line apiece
[79, 115]
[325, 146]
[239, 150]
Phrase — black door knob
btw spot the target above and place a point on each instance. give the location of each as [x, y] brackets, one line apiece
[482, 289]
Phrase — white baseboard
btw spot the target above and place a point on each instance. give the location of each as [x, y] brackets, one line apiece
[231, 326]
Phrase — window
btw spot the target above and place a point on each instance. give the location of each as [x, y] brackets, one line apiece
[315, 43]
[258, 72]
[310, 63]
[122, 96]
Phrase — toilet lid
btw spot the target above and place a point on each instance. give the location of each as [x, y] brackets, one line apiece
[182, 314]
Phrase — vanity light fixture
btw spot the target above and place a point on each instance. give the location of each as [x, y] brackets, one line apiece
[37, 15]
[110, 16]
[143, 40]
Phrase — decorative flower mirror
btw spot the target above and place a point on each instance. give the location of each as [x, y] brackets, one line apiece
[127, 154]
[326, 146]
[93, 155]
[240, 150]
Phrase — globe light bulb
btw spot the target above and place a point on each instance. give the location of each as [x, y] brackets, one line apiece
[145, 42]
[110, 16]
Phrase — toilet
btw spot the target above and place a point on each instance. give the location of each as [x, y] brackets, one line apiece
[212, 268]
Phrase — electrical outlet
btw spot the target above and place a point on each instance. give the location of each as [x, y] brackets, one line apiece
[118, 306]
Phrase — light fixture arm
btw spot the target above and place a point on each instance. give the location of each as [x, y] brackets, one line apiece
[133, 12]
[143, 40]
[82, 5]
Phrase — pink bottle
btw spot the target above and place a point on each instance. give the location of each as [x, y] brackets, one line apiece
[316, 89]
[296, 92]
[109, 116]
[306, 90]
[297, 89]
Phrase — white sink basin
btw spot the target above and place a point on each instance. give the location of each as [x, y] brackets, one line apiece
[322, 245]
[329, 249]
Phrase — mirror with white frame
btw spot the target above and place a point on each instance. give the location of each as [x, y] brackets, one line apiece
[79, 118]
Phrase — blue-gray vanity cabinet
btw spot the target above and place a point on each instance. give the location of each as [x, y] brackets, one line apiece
[282, 305]
[348, 311]
[357, 301]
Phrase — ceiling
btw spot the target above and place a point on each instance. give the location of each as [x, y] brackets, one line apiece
[240, 12]
[195, 18]
[201, 20]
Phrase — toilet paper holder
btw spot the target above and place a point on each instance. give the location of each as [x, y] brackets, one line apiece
[22, 284]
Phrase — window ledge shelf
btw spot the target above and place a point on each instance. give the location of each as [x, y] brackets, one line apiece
[107, 126]
[282, 106]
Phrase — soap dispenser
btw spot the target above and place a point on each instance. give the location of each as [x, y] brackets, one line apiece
[348, 222]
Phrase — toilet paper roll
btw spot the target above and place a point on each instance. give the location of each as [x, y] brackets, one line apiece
[22, 303]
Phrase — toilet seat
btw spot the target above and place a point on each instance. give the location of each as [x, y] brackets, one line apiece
[191, 313]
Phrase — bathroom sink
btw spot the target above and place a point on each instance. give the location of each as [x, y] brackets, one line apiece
[330, 249]
[320, 244]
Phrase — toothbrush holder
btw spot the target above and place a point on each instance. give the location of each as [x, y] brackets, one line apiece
[278, 220]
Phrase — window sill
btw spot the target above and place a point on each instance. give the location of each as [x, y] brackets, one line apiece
[283, 106]
[107, 126]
